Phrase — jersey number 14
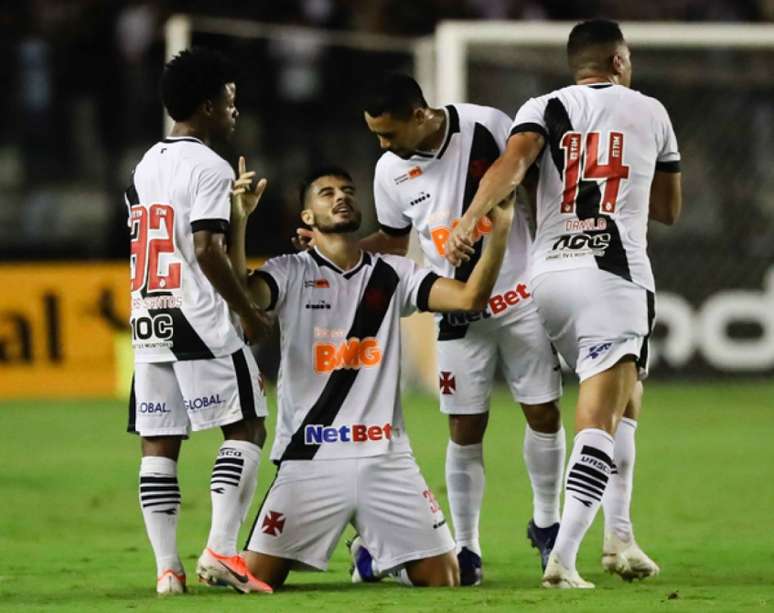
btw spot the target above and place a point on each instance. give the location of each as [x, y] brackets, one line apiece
[575, 156]
[146, 252]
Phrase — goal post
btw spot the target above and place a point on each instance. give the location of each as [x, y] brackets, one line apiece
[453, 39]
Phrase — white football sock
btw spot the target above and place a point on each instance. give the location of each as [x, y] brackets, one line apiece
[617, 500]
[588, 472]
[160, 504]
[465, 488]
[232, 486]
[544, 457]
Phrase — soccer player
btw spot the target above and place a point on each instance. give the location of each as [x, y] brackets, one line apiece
[608, 160]
[193, 370]
[341, 445]
[433, 161]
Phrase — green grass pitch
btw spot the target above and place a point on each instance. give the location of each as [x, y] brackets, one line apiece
[72, 539]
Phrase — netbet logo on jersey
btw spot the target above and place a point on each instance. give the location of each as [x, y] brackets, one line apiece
[351, 353]
[316, 434]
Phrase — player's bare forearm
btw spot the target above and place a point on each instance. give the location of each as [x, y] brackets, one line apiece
[244, 199]
[503, 177]
[497, 184]
[236, 249]
[472, 295]
[214, 261]
[666, 197]
[381, 242]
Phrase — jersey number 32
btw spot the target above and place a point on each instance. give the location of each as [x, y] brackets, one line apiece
[160, 219]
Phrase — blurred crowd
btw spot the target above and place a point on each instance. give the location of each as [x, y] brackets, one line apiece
[81, 102]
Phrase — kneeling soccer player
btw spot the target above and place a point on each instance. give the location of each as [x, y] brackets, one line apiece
[341, 445]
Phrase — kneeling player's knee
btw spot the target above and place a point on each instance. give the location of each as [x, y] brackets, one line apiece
[269, 569]
[544, 417]
[438, 571]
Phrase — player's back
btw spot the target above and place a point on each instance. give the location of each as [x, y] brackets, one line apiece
[603, 145]
[179, 187]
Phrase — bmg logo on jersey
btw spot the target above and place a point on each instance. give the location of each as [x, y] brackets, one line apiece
[315, 434]
[352, 353]
[440, 234]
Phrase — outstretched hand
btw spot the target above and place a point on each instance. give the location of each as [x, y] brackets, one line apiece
[460, 245]
[303, 240]
[245, 198]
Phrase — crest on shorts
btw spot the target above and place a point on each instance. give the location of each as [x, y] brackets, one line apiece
[447, 383]
[273, 523]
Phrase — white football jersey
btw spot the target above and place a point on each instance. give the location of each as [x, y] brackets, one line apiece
[432, 192]
[603, 144]
[339, 379]
[179, 187]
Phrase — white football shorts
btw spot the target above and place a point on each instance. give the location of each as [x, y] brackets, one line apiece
[595, 318]
[467, 365]
[173, 398]
[384, 497]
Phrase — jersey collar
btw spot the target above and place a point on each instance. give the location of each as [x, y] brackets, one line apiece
[180, 139]
[365, 260]
[452, 127]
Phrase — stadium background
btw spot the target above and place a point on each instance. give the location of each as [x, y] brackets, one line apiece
[81, 105]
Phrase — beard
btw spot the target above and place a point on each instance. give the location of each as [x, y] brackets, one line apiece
[326, 226]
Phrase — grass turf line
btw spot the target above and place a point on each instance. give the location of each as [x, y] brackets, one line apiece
[72, 538]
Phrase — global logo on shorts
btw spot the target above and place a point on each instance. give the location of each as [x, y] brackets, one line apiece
[149, 408]
[203, 402]
[597, 350]
[315, 434]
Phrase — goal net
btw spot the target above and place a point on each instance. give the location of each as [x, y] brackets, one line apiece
[715, 268]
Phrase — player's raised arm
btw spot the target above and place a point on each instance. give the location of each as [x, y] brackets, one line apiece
[244, 200]
[500, 180]
[472, 295]
[666, 197]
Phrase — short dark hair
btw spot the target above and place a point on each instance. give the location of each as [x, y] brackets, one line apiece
[396, 94]
[330, 170]
[593, 32]
[191, 77]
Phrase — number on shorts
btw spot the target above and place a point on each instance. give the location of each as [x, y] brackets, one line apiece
[434, 506]
[145, 253]
[613, 172]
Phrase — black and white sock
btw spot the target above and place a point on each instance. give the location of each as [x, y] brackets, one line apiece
[588, 472]
[160, 503]
[233, 483]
